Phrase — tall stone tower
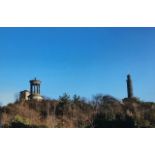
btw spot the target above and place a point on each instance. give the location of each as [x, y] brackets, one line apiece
[35, 90]
[129, 87]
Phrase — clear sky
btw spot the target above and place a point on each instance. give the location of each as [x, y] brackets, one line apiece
[83, 61]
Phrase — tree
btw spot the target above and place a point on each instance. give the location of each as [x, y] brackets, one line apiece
[76, 99]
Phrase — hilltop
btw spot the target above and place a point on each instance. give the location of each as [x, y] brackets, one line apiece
[76, 112]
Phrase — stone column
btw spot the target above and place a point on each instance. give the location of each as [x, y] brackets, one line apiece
[129, 87]
[34, 91]
[38, 89]
[31, 89]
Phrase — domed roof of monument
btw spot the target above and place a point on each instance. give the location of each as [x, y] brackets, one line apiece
[35, 81]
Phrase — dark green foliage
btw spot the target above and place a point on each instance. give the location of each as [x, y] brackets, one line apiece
[101, 121]
[64, 104]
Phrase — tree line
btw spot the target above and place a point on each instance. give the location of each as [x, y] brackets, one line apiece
[102, 111]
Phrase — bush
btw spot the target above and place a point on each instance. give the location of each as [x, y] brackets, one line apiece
[20, 122]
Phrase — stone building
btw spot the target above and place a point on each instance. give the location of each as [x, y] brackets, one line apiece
[35, 90]
[34, 93]
[24, 95]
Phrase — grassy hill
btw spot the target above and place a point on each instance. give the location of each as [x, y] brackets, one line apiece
[66, 112]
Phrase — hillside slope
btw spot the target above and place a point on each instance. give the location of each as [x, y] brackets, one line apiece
[100, 112]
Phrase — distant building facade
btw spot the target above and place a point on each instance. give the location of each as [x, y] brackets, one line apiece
[34, 93]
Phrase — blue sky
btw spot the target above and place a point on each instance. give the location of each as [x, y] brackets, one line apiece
[83, 61]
